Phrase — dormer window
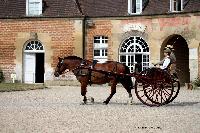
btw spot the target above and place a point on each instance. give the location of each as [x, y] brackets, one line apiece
[134, 6]
[33, 7]
[176, 5]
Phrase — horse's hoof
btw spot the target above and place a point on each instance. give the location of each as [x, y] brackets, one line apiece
[130, 103]
[105, 102]
[92, 100]
[82, 103]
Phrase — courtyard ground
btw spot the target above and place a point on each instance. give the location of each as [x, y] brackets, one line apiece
[58, 109]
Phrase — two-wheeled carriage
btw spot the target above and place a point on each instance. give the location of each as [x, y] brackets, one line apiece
[153, 86]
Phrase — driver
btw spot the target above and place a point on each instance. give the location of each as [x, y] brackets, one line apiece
[165, 63]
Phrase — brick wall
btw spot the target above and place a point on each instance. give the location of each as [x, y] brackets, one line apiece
[101, 28]
[60, 31]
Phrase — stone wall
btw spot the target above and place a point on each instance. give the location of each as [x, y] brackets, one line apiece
[155, 30]
[63, 36]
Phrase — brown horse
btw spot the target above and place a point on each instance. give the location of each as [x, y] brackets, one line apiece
[88, 72]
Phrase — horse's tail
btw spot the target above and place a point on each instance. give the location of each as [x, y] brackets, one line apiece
[125, 80]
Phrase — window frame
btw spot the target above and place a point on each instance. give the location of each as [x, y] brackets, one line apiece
[172, 9]
[130, 5]
[130, 48]
[35, 11]
[33, 46]
[100, 44]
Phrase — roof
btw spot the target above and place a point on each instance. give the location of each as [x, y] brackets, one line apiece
[106, 8]
[91, 8]
[53, 8]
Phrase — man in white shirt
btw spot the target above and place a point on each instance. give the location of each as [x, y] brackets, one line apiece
[167, 60]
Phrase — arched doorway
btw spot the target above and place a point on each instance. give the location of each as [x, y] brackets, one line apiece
[134, 50]
[181, 52]
[33, 62]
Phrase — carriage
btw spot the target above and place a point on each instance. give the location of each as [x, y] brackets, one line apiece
[153, 86]
[156, 87]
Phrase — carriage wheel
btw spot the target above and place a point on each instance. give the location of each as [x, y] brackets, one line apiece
[157, 87]
[176, 85]
[142, 96]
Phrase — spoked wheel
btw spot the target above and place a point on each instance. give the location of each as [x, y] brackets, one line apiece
[176, 85]
[142, 95]
[157, 87]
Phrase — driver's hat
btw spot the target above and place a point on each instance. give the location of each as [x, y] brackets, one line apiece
[167, 50]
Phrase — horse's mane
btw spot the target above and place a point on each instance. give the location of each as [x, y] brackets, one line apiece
[73, 58]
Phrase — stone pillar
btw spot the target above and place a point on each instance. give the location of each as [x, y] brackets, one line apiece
[193, 63]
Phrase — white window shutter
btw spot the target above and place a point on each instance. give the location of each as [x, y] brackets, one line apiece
[129, 6]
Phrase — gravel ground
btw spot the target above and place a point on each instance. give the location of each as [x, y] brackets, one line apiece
[59, 109]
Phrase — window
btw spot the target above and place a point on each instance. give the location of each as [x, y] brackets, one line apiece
[33, 7]
[176, 5]
[34, 46]
[100, 48]
[134, 50]
[134, 6]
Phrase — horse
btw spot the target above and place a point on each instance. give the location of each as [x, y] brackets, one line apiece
[92, 72]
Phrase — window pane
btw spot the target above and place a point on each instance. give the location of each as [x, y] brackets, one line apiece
[96, 41]
[122, 58]
[133, 6]
[104, 52]
[96, 52]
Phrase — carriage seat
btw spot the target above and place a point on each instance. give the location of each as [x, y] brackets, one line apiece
[172, 71]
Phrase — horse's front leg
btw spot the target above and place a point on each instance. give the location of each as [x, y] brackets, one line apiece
[83, 93]
[113, 91]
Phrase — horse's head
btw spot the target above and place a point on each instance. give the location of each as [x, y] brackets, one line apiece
[61, 67]
[70, 62]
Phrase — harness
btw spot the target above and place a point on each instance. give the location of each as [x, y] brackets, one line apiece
[94, 62]
[88, 73]
[86, 69]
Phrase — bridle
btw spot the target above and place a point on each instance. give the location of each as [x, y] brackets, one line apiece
[61, 63]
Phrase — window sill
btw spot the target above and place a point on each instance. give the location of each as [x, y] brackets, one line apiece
[132, 14]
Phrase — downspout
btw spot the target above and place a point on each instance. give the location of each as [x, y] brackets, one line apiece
[84, 37]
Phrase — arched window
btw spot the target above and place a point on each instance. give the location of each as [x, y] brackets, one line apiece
[134, 50]
[34, 46]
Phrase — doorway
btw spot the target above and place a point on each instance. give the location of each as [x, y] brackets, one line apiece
[181, 52]
[33, 63]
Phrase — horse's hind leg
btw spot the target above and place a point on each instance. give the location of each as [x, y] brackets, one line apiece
[113, 91]
[128, 86]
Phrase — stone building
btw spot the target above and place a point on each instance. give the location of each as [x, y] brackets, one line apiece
[34, 33]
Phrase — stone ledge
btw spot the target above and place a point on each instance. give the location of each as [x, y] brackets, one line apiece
[62, 83]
